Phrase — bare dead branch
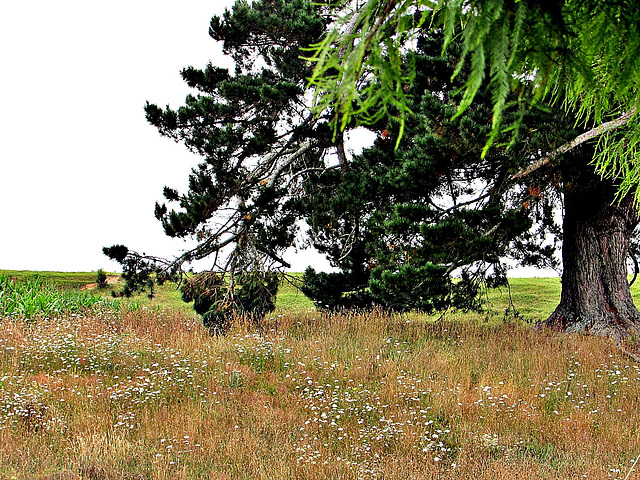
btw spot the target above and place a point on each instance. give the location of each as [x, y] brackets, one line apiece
[594, 132]
[305, 147]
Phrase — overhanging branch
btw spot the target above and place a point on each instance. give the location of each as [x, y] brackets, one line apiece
[594, 132]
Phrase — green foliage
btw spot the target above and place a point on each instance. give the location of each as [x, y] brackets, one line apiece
[204, 289]
[387, 66]
[221, 300]
[427, 225]
[257, 293]
[137, 271]
[101, 278]
[364, 47]
[582, 54]
[36, 298]
[335, 291]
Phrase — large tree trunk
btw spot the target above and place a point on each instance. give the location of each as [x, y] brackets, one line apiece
[595, 290]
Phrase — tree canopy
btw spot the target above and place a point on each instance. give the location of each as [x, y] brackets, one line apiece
[581, 54]
[256, 135]
[423, 223]
[426, 225]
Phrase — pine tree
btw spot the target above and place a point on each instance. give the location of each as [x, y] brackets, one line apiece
[257, 137]
[579, 53]
[401, 221]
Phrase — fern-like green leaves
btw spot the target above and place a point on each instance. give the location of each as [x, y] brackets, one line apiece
[581, 53]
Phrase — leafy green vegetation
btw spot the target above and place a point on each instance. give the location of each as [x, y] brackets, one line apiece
[581, 54]
[35, 298]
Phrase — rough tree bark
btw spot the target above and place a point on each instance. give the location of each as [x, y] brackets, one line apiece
[595, 297]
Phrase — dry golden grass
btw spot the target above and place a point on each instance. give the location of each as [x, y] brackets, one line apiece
[151, 395]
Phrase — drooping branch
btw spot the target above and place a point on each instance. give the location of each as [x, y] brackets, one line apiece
[580, 139]
[270, 253]
[304, 172]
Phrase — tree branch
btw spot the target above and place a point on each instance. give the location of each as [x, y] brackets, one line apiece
[594, 132]
[463, 204]
[274, 256]
[271, 159]
[304, 147]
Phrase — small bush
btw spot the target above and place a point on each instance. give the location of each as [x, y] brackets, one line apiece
[101, 279]
[253, 296]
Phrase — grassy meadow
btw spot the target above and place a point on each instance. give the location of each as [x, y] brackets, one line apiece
[142, 391]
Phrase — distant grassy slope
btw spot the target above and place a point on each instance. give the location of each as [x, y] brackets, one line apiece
[533, 298]
[290, 298]
[60, 279]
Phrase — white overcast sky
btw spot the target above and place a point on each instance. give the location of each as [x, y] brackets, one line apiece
[80, 168]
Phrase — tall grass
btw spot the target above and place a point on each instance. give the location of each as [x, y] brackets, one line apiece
[151, 395]
[35, 298]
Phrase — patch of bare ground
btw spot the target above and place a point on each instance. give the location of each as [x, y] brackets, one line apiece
[111, 280]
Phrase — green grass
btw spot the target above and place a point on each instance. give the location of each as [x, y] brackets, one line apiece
[165, 296]
[59, 279]
[533, 298]
[290, 298]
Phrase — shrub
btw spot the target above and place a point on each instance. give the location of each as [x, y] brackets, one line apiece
[253, 296]
[101, 278]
